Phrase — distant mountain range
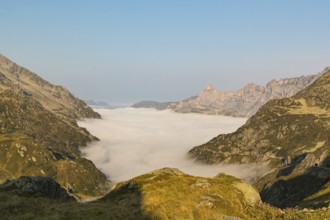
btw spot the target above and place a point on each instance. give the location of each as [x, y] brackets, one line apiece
[242, 103]
[96, 103]
[102, 104]
[154, 104]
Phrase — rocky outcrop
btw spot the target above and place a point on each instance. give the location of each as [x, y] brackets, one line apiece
[57, 99]
[244, 102]
[161, 194]
[36, 186]
[290, 135]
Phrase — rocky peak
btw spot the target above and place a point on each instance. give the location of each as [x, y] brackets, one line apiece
[209, 88]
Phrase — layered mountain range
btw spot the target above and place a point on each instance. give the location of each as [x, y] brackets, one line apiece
[242, 103]
[39, 134]
[290, 135]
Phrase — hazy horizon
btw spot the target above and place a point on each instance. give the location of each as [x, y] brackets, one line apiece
[164, 50]
[137, 141]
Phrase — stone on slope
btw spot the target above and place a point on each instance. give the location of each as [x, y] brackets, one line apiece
[36, 186]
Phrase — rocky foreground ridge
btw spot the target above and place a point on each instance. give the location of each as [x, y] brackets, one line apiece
[161, 194]
[39, 135]
[242, 103]
[290, 135]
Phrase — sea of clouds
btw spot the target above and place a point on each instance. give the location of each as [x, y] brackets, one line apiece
[137, 141]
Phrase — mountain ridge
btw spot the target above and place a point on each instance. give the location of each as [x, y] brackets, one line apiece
[241, 103]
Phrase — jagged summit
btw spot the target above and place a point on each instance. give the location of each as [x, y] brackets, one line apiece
[210, 88]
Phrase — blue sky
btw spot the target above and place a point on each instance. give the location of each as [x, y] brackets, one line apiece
[123, 51]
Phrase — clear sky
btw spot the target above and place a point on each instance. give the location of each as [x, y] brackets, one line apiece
[123, 51]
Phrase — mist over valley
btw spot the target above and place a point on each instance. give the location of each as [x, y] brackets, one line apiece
[137, 141]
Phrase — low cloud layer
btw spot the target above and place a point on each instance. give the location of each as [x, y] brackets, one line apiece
[137, 141]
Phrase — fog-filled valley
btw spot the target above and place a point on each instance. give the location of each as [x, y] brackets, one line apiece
[136, 141]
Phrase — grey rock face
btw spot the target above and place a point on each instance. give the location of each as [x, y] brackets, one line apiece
[36, 187]
[244, 102]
